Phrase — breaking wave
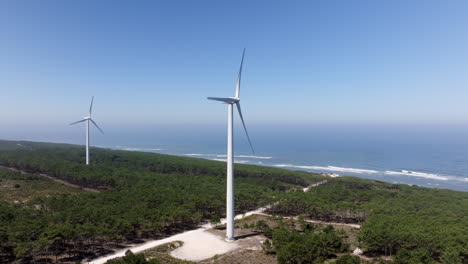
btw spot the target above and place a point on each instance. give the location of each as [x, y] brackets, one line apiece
[431, 176]
[137, 149]
[417, 174]
[197, 154]
[327, 168]
[235, 161]
[223, 156]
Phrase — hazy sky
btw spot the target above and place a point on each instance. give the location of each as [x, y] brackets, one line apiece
[307, 62]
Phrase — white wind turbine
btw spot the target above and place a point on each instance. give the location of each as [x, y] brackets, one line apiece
[230, 101]
[87, 119]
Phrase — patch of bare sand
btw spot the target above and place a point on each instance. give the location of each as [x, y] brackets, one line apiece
[249, 249]
[203, 245]
[211, 243]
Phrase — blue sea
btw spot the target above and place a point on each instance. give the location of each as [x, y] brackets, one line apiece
[430, 156]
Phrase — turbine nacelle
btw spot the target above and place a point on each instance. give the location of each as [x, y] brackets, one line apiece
[88, 118]
[228, 100]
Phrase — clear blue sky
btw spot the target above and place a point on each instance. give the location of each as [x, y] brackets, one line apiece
[307, 62]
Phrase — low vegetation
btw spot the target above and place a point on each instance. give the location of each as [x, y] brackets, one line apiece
[414, 224]
[143, 195]
[16, 187]
[131, 258]
[295, 241]
[147, 195]
[309, 247]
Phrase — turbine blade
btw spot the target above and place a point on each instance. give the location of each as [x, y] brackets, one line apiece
[224, 100]
[91, 106]
[96, 126]
[239, 76]
[245, 128]
[78, 121]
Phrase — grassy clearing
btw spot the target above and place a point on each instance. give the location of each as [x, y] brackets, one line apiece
[16, 187]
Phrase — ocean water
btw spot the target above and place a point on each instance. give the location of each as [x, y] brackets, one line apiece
[430, 156]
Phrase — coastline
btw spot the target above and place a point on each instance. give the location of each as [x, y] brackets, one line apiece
[408, 176]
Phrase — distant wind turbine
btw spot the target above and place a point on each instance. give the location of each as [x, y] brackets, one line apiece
[230, 101]
[87, 119]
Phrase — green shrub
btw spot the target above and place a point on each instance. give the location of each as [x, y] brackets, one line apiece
[348, 259]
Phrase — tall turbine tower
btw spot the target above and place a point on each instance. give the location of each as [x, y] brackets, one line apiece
[87, 119]
[230, 101]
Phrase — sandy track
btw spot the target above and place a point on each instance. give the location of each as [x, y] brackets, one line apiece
[52, 178]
